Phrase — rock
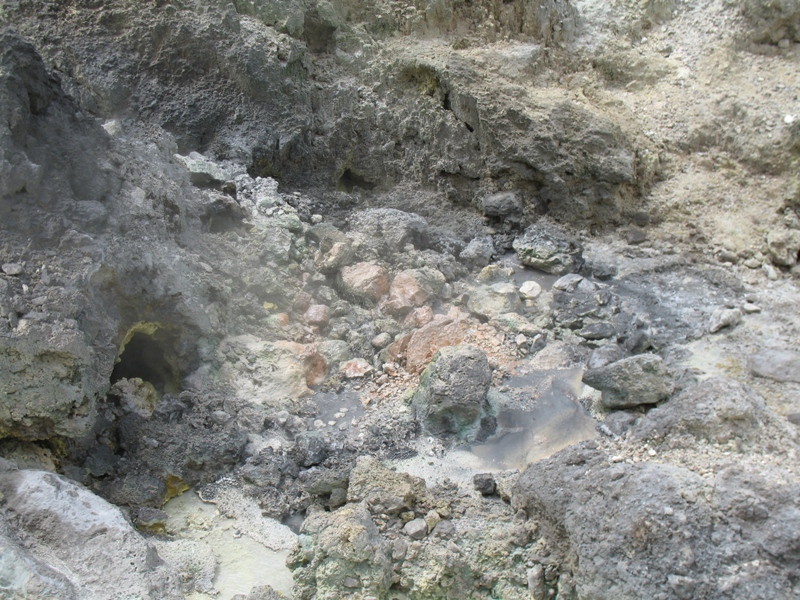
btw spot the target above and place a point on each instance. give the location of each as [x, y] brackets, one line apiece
[203, 171]
[619, 421]
[419, 317]
[317, 314]
[413, 288]
[604, 355]
[311, 448]
[383, 490]
[724, 317]
[547, 248]
[416, 529]
[784, 246]
[491, 301]
[502, 204]
[631, 381]
[70, 543]
[568, 282]
[530, 290]
[780, 365]
[597, 331]
[388, 230]
[339, 546]
[12, 269]
[451, 397]
[484, 483]
[381, 340]
[355, 368]
[419, 347]
[717, 410]
[364, 282]
[478, 253]
[335, 250]
[595, 513]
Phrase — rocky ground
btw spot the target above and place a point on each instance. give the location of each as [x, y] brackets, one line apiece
[391, 300]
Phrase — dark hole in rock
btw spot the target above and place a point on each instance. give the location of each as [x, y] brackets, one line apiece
[319, 33]
[144, 357]
[350, 180]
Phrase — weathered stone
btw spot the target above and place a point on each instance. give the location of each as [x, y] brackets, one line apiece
[784, 246]
[419, 317]
[780, 365]
[12, 269]
[718, 410]
[484, 483]
[631, 381]
[422, 344]
[597, 331]
[366, 282]
[724, 317]
[71, 543]
[478, 252]
[568, 282]
[502, 204]
[203, 171]
[494, 300]
[384, 490]
[413, 288]
[530, 290]
[355, 368]
[416, 529]
[451, 397]
[317, 314]
[548, 249]
[388, 230]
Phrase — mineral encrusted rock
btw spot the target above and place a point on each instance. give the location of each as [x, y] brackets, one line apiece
[631, 381]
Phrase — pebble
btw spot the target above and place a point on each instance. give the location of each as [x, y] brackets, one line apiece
[750, 308]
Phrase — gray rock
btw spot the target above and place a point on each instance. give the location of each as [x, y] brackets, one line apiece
[451, 397]
[604, 355]
[416, 529]
[478, 252]
[724, 317]
[619, 421]
[382, 490]
[74, 543]
[502, 204]
[597, 331]
[780, 365]
[717, 409]
[484, 483]
[12, 269]
[631, 381]
[547, 248]
[568, 282]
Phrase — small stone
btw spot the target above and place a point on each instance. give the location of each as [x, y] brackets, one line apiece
[484, 483]
[750, 309]
[783, 44]
[12, 269]
[752, 263]
[316, 219]
[520, 340]
[530, 290]
[317, 314]
[568, 282]
[416, 529]
[355, 368]
[794, 418]
[597, 331]
[724, 317]
[635, 235]
[769, 271]
[381, 340]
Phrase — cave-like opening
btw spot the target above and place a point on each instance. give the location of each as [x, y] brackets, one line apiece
[144, 356]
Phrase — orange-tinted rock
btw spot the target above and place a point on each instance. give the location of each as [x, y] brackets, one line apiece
[364, 281]
[411, 289]
[355, 368]
[419, 317]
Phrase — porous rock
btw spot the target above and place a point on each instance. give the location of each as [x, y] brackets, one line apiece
[547, 248]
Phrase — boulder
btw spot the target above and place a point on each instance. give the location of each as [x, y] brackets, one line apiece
[413, 288]
[502, 204]
[388, 230]
[641, 379]
[419, 347]
[70, 543]
[547, 248]
[717, 410]
[491, 301]
[364, 282]
[451, 397]
[780, 365]
[478, 252]
[784, 244]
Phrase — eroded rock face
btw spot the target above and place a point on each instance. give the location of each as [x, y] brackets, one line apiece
[451, 398]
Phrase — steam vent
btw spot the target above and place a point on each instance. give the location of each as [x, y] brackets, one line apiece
[399, 300]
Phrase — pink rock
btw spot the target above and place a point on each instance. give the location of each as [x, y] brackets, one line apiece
[405, 293]
[355, 368]
[419, 317]
[317, 314]
[365, 280]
